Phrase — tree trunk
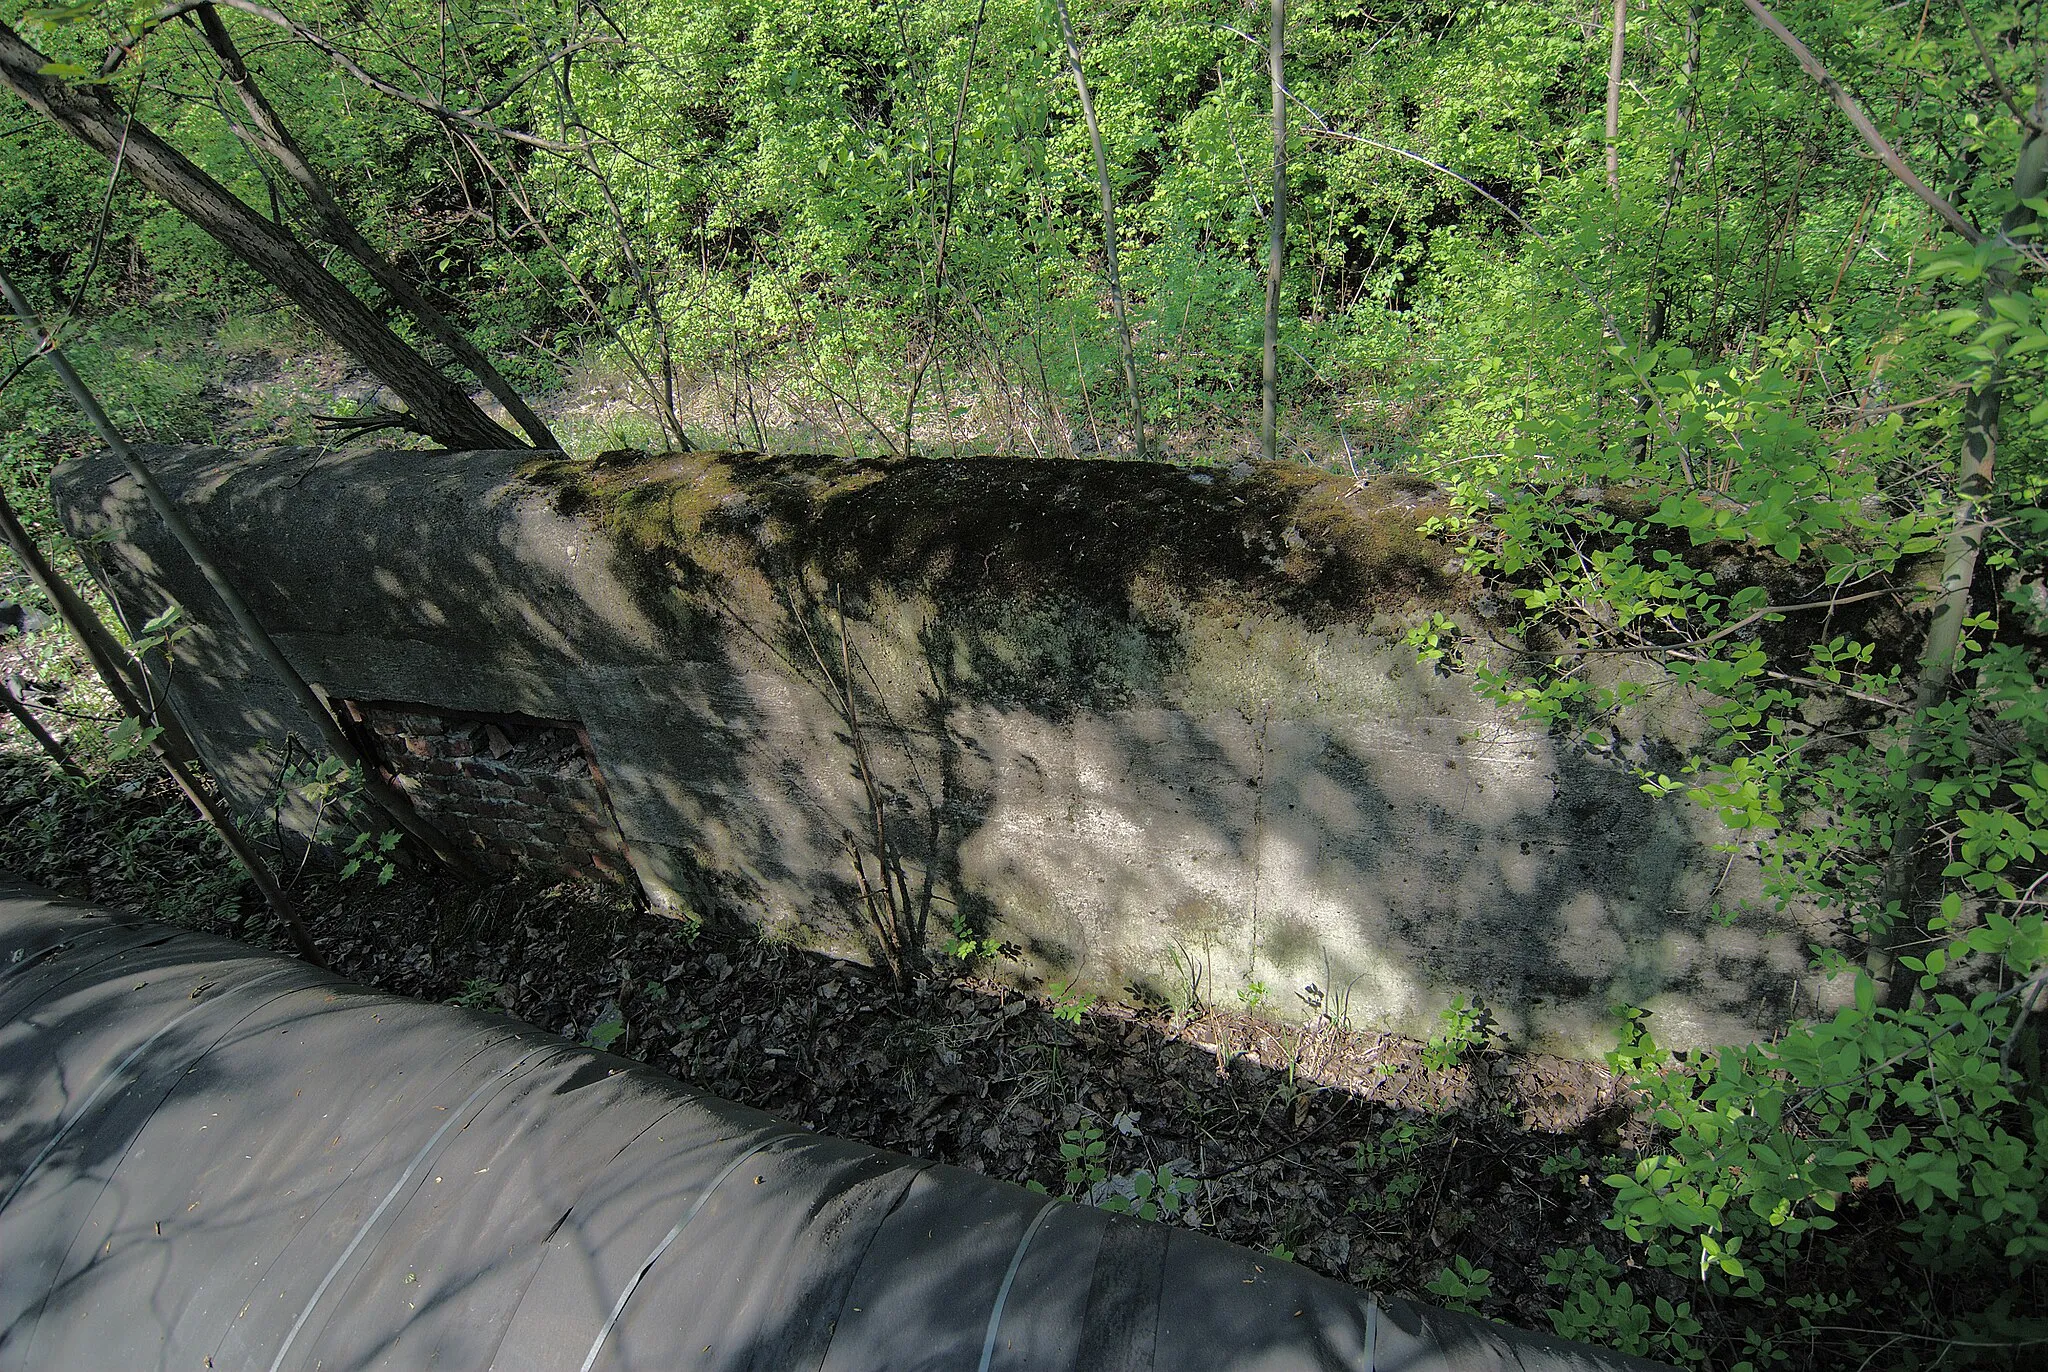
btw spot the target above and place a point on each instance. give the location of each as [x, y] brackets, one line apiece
[1109, 238]
[1614, 57]
[339, 229]
[1276, 240]
[25, 717]
[1935, 677]
[442, 410]
[381, 794]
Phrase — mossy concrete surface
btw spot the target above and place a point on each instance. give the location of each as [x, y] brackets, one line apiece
[1154, 729]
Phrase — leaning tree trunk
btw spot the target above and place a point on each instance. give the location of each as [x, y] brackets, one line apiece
[1615, 56]
[1935, 677]
[339, 229]
[12, 702]
[379, 792]
[441, 409]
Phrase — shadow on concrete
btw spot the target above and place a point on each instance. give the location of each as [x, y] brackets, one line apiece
[1116, 715]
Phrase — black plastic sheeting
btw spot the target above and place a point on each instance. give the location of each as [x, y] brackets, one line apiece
[212, 1157]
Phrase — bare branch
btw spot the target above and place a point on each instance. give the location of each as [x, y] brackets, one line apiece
[130, 42]
[1109, 233]
[1894, 163]
[468, 117]
[270, 132]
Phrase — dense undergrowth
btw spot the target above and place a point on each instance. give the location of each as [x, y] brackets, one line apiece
[1736, 425]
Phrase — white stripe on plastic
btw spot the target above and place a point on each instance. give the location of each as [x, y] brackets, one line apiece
[426, 1148]
[995, 1316]
[619, 1306]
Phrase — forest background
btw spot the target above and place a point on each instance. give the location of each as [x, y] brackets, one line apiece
[1699, 367]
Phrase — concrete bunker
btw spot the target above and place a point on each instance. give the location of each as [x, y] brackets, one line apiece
[1124, 717]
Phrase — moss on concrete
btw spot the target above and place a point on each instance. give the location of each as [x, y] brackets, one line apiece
[1118, 535]
[1055, 583]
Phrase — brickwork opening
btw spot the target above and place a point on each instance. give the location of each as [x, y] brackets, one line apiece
[521, 795]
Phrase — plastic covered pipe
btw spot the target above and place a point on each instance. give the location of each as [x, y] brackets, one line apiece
[212, 1157]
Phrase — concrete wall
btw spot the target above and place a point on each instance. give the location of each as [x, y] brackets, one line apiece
[1124, 717]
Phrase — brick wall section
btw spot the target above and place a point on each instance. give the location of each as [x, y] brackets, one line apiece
[523, 796]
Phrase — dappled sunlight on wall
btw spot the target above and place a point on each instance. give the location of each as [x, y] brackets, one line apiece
[1114, 716]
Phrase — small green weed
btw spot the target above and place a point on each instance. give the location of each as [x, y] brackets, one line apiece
[1461, 1286]
[1598, 1308]
[1436, 641]
[1149, 1193]
[1570, 1169]
[607, 1029]
[372, 852]
[1389, 1160]
[477, 993]
[1083, 1150]
[128, 740]
[1185, 994]
[967, 946]
[161, 632]
[1067, 1003]
[1461, 1029]
[335, 793]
